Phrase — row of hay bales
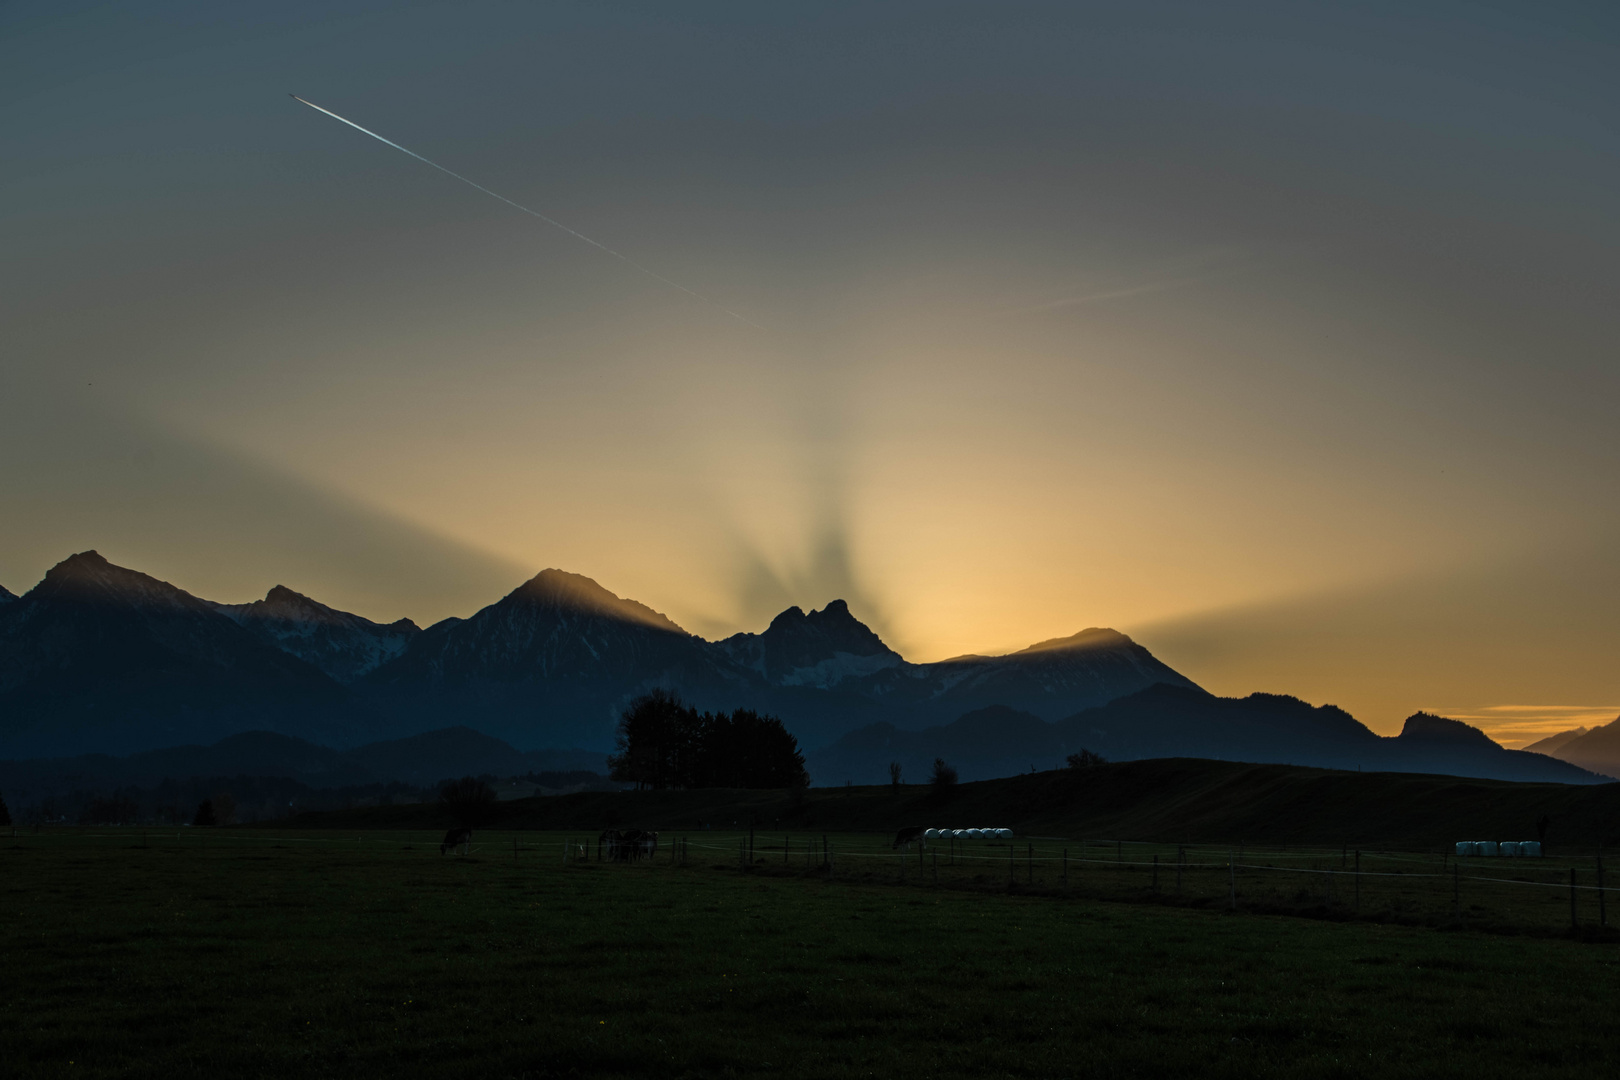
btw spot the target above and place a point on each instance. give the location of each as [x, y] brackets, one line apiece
[1505, 849]
[967, 834]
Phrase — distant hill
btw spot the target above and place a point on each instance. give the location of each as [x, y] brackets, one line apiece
[419, 760]
[1177, 800]
[1597, 749]
[1164, 721]
[1555, 742]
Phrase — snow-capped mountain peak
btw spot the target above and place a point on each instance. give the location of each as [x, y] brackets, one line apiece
[344, 645]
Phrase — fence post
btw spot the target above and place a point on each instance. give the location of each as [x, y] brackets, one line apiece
[514, 848]
[1603, 908]
[1155, 871]
[936, 866]
[784, 851]
[1231, 877]
[1572, 921]
[1009, 864]
[1065, 866]
[1031, 857]
[1456, 892]
[1358, 879]
[1181, 860]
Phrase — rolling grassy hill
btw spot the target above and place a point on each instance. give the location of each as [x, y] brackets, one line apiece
[1170, 799]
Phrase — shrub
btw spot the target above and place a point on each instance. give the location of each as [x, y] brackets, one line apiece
[205, 813]
[1085, 759]
[943, 779]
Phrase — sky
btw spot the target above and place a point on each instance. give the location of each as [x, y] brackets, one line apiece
[1281, 337]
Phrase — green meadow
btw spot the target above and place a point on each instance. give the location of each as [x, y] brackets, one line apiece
[316, 953]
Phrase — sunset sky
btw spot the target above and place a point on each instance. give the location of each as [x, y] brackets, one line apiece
[1281, 337]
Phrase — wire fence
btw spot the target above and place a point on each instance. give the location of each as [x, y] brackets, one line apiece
[1539, 894]
[1548, 894]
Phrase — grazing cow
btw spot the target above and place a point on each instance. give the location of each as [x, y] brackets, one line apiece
[636, 843]
[908, 836]
[608, 843]
[456, 838]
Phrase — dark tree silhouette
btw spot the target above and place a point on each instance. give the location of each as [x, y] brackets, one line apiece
[205, 813]
[658, 742]
[663, 743]
[1085, 759]
[747, 750]
[894, 775]
[471, 801]
[5, 813]
[943, 778]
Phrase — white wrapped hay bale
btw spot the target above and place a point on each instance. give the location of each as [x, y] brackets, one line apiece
[1508, 849]
[1004, 834]
[1530, 848]
[1465, 847]
[1485, 847]
[931, 834]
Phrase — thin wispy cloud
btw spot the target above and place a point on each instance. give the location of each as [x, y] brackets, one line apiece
[1178, 273]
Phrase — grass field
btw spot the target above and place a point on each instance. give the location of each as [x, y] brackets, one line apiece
[262, 953]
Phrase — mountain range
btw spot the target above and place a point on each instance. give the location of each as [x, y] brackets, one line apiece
[100, 659]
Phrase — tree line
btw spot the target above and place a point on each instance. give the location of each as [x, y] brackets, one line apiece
[665, 743]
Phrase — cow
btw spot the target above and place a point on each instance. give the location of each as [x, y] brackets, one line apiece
[456, 838]
[908, 836]
[635, 843]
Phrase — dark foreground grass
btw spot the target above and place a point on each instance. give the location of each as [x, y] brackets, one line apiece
[302, 954]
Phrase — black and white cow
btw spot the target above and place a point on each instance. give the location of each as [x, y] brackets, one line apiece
[908, 836]
[456, 838]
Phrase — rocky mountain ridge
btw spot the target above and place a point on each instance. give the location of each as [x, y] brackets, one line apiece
[100, 658]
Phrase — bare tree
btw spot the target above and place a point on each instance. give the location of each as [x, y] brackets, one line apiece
[894, 775]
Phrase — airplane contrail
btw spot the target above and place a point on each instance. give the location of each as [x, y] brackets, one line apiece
[535, 213]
